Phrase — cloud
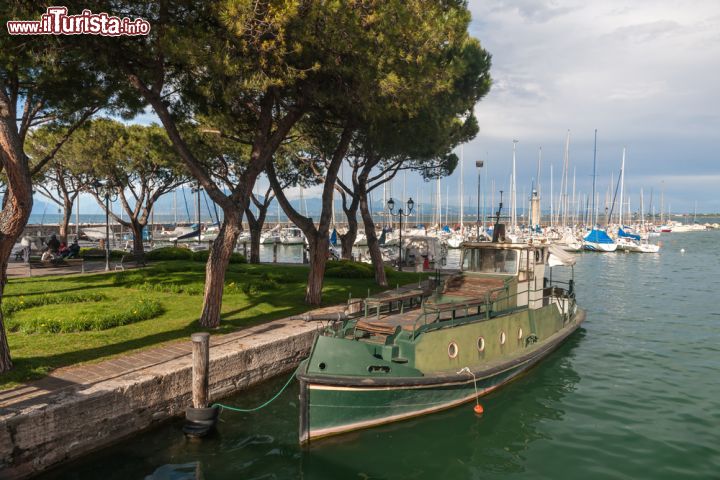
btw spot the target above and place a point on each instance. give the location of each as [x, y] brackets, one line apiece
[646, 32]
[532, 10]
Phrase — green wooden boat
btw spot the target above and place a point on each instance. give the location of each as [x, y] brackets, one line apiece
[413, 352]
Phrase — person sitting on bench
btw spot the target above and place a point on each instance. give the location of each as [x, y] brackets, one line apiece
[63, 251]
[74, 250]
[53, 244]
[47, 256]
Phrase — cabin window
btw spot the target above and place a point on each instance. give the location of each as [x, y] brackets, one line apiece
[499, 261]
[453, 350]
[467, 264]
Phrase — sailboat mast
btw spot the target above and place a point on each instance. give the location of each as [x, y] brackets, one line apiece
[552, 213]
[622, 186]
[573, 199]
[594, 222]
[513, 199]
[462, 158]
[539, 189]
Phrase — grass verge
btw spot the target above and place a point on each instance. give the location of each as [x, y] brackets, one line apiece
[253, 294]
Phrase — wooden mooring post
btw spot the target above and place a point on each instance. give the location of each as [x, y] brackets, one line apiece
[200, 366]
[200, 419]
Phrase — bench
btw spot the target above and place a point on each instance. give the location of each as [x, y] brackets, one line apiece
[388, 298]
[472, 286]
[138, 260]
[465, 292]
[36, 263]
[93, 253]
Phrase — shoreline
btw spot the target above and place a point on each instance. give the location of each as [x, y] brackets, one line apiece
[45, 423]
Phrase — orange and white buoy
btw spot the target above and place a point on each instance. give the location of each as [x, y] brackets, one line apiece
[478, 409]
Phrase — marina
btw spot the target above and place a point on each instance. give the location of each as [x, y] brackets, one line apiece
[627, 396]
[290, 239]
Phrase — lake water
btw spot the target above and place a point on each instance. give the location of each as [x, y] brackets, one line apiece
[634, 394]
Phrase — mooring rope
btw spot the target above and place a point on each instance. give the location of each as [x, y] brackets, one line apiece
[467, 370]
[249, 410]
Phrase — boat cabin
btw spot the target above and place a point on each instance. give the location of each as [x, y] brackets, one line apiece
[518, 268]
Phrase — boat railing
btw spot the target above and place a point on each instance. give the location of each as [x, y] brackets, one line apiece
[431, 317]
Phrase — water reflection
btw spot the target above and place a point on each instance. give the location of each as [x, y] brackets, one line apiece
[456, 443]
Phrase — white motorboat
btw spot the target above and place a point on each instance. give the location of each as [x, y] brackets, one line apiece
[292, 236]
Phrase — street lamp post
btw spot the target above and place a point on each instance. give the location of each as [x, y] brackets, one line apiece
[479, 164]
[197, 190]
[107, 191]
[400, 214]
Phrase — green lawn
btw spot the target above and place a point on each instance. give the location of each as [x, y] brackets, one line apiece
[253, 294]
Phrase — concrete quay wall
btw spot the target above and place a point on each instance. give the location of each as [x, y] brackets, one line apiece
[68, 422]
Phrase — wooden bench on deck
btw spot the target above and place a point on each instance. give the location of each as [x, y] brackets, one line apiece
[387, 299]
[466, 291]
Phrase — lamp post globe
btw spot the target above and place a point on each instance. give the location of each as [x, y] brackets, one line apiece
[400, 214]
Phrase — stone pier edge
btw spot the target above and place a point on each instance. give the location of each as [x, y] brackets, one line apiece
[66, 424]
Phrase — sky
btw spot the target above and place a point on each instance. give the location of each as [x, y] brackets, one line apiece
[645, 74]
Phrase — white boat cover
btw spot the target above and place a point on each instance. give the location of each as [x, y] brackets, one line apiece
[558, 256]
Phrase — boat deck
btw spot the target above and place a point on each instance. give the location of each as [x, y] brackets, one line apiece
[462, 296]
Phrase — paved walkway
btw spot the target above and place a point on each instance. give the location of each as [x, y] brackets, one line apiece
[78, 377]
[19, 269]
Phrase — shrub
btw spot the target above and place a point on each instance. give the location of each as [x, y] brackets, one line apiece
[11, 306]
[170, 253]
[96, 252]
[179, 253]
[169, 288]
[202, 256]
[348, 269]
[142, 309]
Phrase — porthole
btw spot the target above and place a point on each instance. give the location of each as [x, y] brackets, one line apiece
[322, 365]
[453, 350]
[503, 337]
[481, 344]
[520, 334]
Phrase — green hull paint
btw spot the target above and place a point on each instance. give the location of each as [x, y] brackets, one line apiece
[482, 331]
[352, 397]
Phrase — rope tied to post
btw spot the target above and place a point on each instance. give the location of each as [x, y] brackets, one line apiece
[260, 407]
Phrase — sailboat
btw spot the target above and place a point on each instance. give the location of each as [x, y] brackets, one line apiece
[597, 240]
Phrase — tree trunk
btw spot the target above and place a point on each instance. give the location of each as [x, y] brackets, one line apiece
[6, 245]
[319, 244]
[216, 267]
[348, 239]
[255, 232]
[16, 206]
[137, 229]
[255, 225]
[372, 240]
[65, 220]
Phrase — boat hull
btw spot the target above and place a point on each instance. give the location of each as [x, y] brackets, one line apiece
[600, 247]
[331, 405]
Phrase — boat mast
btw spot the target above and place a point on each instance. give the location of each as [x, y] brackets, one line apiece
[594, 175]
[622, 188]
[462, 158]
[552, 202]
[574, 207]
[642, 210]
[537, 180]
[513, 199]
